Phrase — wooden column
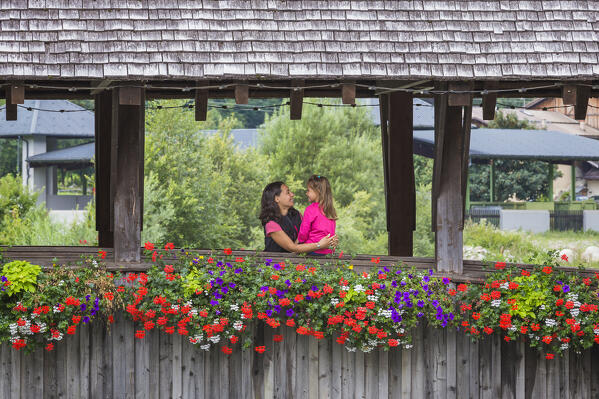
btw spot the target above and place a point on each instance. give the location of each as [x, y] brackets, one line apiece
[450, 176]
[127, 171]
[104, 204]
[400, 190]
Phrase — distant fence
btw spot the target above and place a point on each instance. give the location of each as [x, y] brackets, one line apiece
[441, 364]
[560, 220]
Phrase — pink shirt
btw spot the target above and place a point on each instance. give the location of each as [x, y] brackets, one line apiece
[315, 225]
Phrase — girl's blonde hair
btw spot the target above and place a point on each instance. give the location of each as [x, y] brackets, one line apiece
[321, 185]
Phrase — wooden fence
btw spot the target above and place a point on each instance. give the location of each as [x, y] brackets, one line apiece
[442, 364]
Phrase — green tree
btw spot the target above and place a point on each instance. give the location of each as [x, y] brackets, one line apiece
[200, 190]
[343, 144]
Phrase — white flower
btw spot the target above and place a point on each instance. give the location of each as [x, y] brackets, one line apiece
[238, 325]
[344, 288]
[366, 349]
[372, 298]
[542, 307]
[215, 339]
[596, 331]
[572, 296]
[408, 346]
[564, 346]
[234, 307]
[359, 288]
[384, 312]
[504, 286]
[193, 312]
[205, 347]
[334, 301]
[496, 302]
[550, 322]
[350, 349]
[574, 311]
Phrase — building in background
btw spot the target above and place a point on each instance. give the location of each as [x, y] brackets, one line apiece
[43, 129]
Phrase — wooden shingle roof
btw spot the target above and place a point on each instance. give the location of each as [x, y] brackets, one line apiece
[174, 39]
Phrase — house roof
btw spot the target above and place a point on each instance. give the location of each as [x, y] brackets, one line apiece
[167, 39]
[542, 145]
[75, 123]
[80, 155]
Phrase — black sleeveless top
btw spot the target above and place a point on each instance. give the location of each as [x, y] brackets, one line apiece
[290, 224]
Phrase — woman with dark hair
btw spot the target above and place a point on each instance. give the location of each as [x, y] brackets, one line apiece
[281, 222]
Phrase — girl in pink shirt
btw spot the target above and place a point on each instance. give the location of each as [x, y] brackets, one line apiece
[319, 216]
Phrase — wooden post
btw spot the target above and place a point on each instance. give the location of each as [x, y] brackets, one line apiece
[15, 94]
[573, 182]
[491, 180]
[400, 186]
[550, 178]
[127, 167]
[449, 181]
[104, 203]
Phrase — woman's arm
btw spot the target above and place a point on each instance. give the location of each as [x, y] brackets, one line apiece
[281, 238]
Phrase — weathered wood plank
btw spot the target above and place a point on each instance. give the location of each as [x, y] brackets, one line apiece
[594, 371]
[154, 364]
[384, 373]
[347, 373]
[496, 365]
[520, 366]
[247, 387]
[84, 360]
[142, 365]
[419, 374]
[177, 367]
[269, 366]
[223, 370]
[406, 373]
[280, 359]
[235, 371]
[473, 363]
[49, 374]
[61, 367]
[462, 365]
[313, 368]
[258, 364]
[336, 366]
[302, 364]
[370, 373]
[72, 366]
[394, 389]
[359, 382]
[166, 366]
[325, 368]
[32, 374]
[451, 346]
[485, 368]
[564, 378]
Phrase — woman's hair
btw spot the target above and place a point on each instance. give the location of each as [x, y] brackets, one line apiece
[269, 208]
[321, 185]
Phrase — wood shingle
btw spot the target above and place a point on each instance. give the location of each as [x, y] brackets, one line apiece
[244, 38]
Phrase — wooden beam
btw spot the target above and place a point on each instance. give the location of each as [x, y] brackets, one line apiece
[242, 94]
[450, 180]
[401, 189]
[11, 112]
[104, 201]
[466, 127]
[101, 86]
[458, 98]
[15, 94]
[348, 93]
[489, 102]
[130, 96]
[384, 115]
[296, 99]
[201, 104]
[582, 102]
[569, 94]
[127, 172]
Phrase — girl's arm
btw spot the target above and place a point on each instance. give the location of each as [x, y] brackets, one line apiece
[281, 238]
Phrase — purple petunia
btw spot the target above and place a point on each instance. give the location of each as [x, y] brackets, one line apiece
[232, 285]
[420, 303]
[214, 302]
[288, 283]
[566, 288]
[426, 279]
[445, 280]
[289, 312]
[238, 270]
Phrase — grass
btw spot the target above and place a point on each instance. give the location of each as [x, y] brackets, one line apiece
[520, 246]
